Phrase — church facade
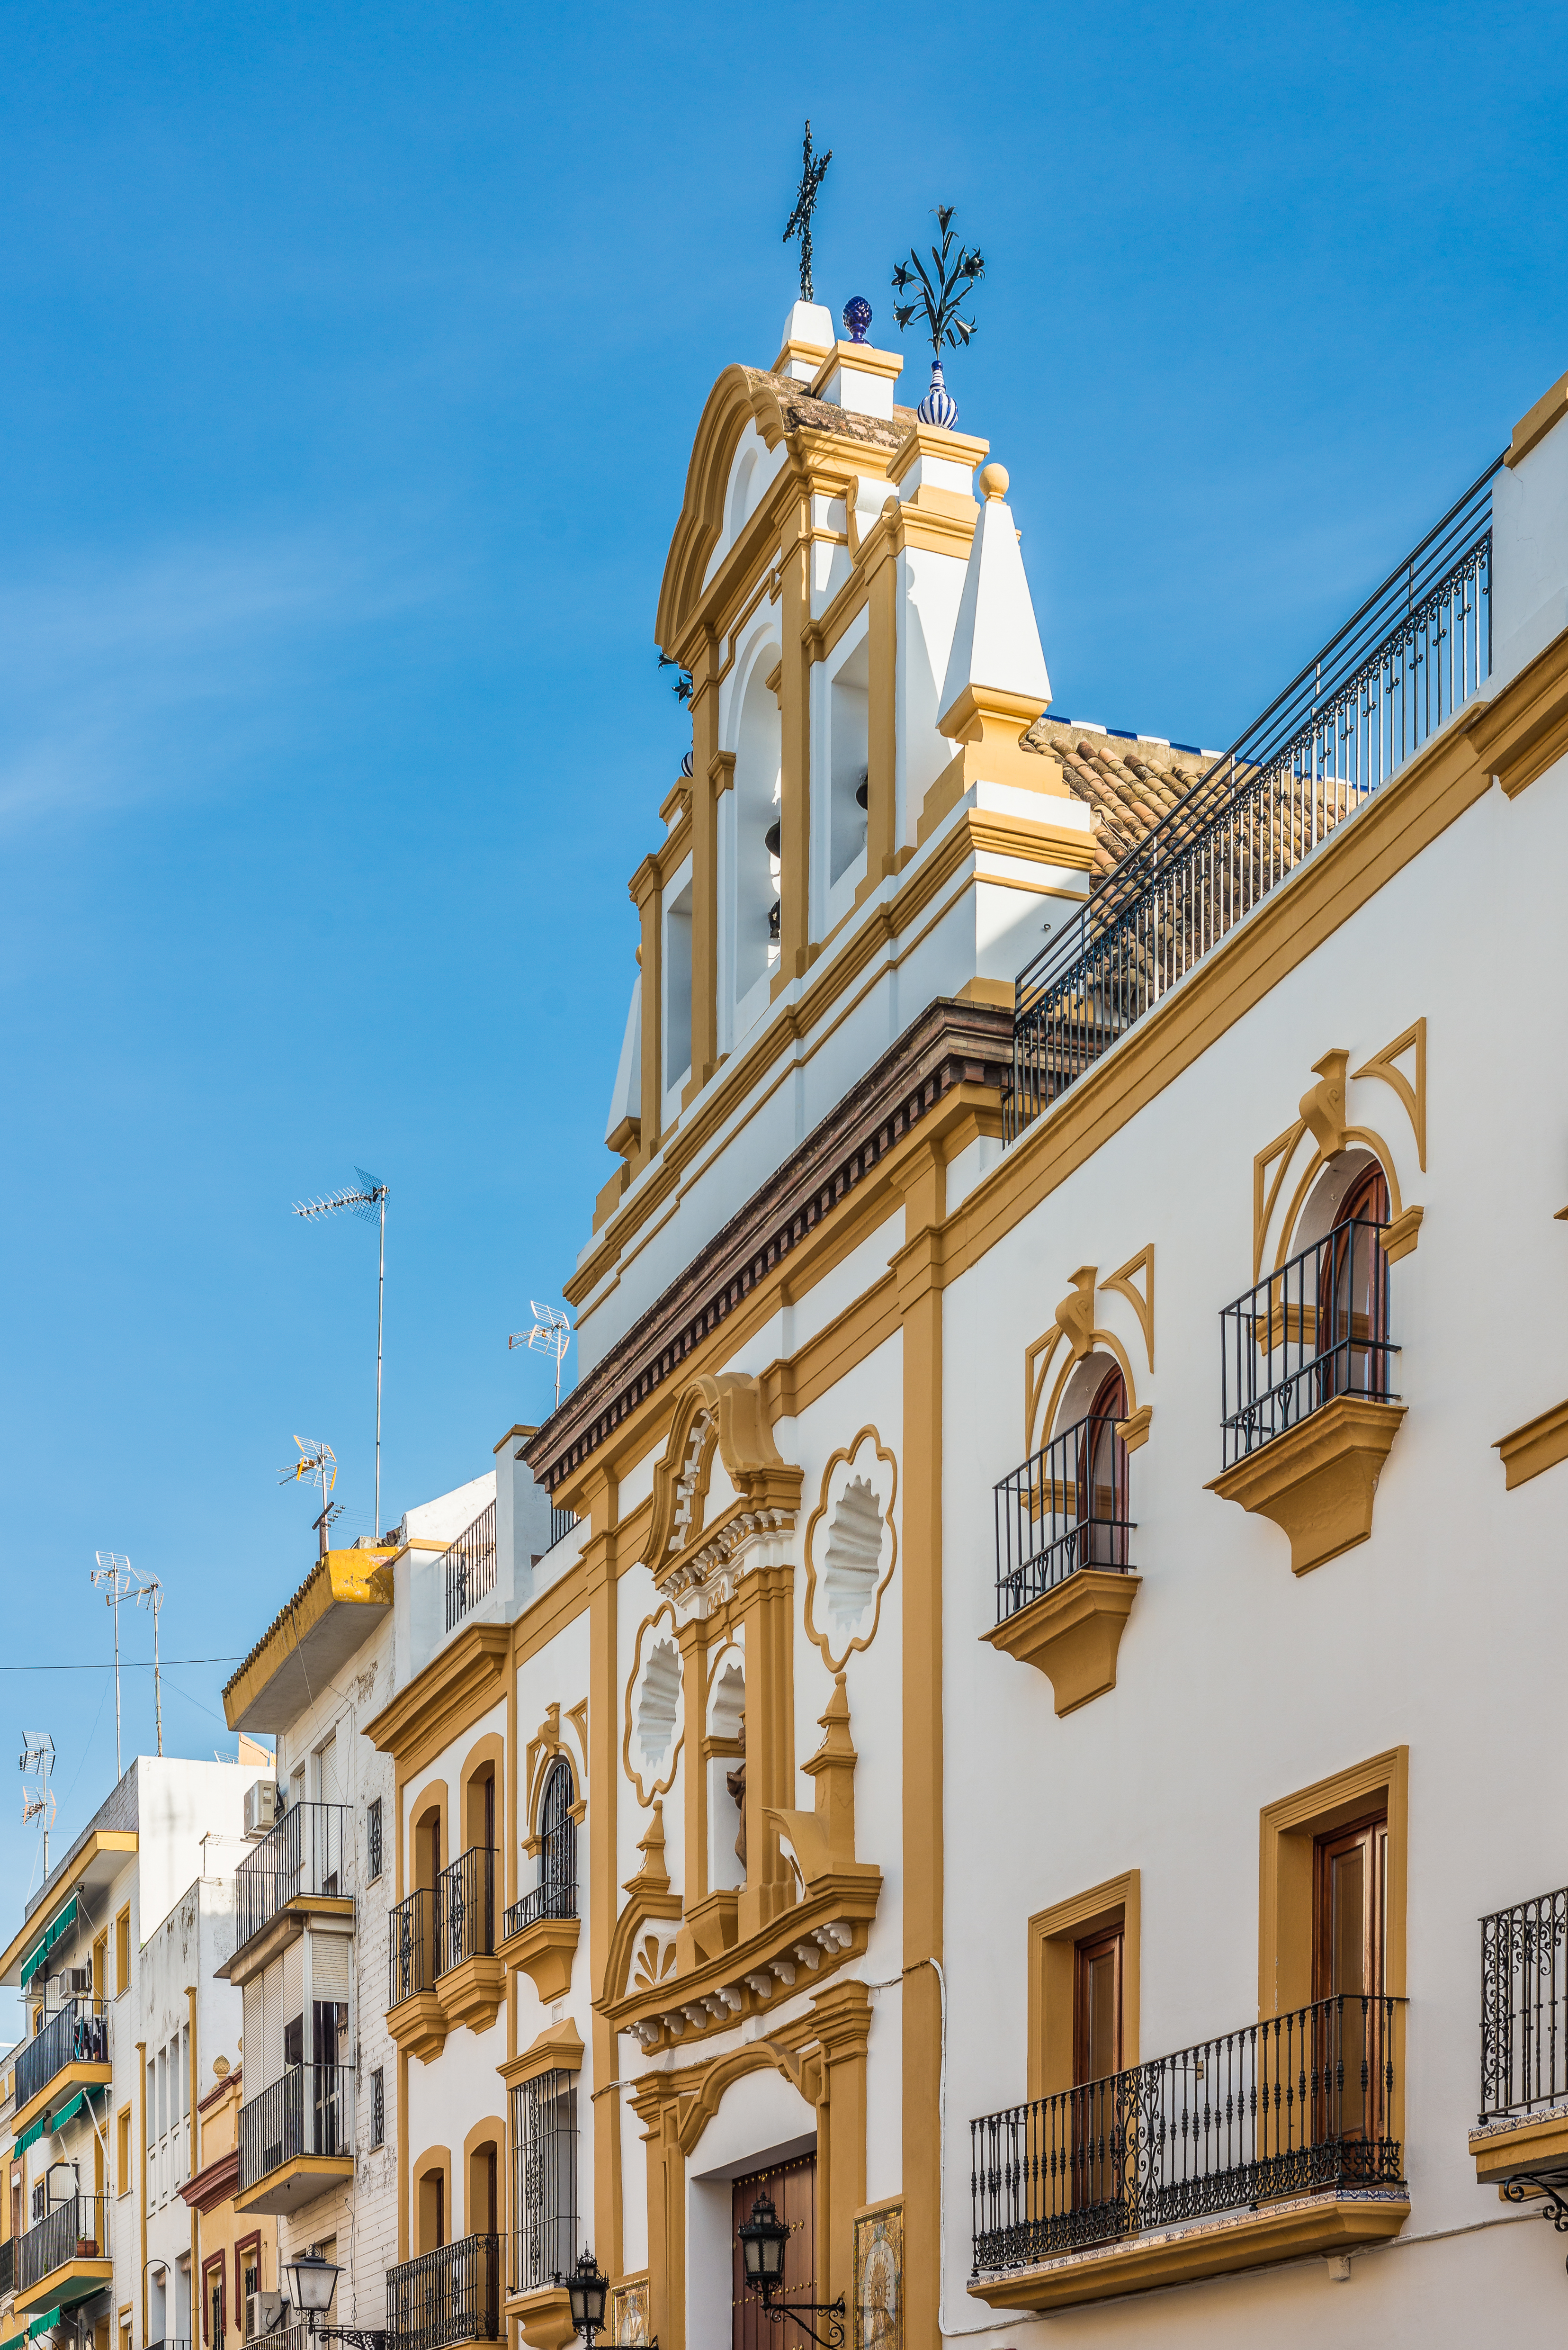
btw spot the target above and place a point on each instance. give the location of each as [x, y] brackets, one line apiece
[924, 1743]
[1041, 1773]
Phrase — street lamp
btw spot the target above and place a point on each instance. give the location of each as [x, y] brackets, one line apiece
[763, 2242]
[312, 2282]
[587, 2289]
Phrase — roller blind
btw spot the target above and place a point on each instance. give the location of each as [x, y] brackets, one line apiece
[329, 1966]
[271, 2024]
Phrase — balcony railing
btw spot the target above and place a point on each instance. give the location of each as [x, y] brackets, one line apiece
[561, 1523]
[308, 1852]
[1298, 2104]
[76, 2230]
[555, 1896]
[1524, 2007]
[469, 1567]
[450, 2296]
[465, 1908]
[411, 1947]
[79, 2034]
[7, 2266]
[1416, 651]
[1066, 1508]
[309, 2111]
[1315, 1330]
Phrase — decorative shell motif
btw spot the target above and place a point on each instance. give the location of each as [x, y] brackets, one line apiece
[651, 1963]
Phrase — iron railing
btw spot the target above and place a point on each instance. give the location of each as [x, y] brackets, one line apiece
[465, 1908]
[1316, 1328]
[469, 1567]
[561, 1523]
[79, 2034]
[411, 1947]
[1415, 651]
[1065, 1509]
[76, 2229]
[1524, 2006]
[309, 2111]
[450, 2296]
[307, 1852]
[543, 2180]
[555, 1895]
[1299, 2104]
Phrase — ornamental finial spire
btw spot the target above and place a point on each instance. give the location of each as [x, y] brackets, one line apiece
[812, 172]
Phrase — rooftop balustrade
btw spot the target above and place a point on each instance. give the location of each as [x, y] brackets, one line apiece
[1415, 652]
[469, 1567]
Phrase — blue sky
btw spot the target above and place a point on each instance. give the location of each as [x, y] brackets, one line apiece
[352, 356]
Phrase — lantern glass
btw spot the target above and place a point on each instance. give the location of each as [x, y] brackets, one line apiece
[763, 2239]
[587, 2289]
[312, 2282]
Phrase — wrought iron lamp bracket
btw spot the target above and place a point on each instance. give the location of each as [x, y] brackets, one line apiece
[358, 2337]
[833, 2311]
[1555, 2192]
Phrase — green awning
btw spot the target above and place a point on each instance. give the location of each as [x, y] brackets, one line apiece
[47, 2121]
[52, 1934]
[45, 2324]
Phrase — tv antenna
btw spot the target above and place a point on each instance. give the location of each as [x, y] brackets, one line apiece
[551, 1334]
[116, 1571]
[316, 1465]
[369, 1202]
[150, 1594]
[37, 1759]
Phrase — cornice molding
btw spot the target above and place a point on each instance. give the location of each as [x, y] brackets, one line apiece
[462, 1681]
[950, 1044]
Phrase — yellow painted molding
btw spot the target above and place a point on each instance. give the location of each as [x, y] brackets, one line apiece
[472, 1993]
[1287, 1829]
[1073, 1633]
[1124, 1281]
[60, 2284]
[1414, 1096]
[1400, 1235]
[1534, 734]
[544, 2318]
[344, 1578]
[462, 1682]
[61, 2085]
[1537, 421]
[1241, 2239]
[544, 1951]
[557, 2049]
[922, 439]
[863, 356]
[836, 1658]
[1075, 1314]
[1540, 1444]
[1535, 2142]
[660, 1786]
[419, 2025]
[1323, 1104]
[823, 1839]
[1053, 1935]
[1316, 1481]
[1134, 1429]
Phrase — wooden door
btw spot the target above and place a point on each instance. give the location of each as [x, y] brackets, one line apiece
[1350, 1909]
[1096, 2064]
[1102, 1478]
[790, 2187]
[1352, 1292]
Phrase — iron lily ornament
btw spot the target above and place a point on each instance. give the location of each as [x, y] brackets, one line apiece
[812, 172]
[942, 291]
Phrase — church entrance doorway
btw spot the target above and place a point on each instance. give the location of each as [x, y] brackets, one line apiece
[791, 2187]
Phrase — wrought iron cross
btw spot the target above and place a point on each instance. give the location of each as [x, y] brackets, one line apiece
[811, 177]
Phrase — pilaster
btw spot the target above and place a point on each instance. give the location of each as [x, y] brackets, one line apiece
[602, 1500]
[842, 2015]
[708, 777]
[918, 1269]
[766, 1612]
[794, 724]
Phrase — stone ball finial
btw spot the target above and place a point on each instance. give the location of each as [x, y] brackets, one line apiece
[993, 481]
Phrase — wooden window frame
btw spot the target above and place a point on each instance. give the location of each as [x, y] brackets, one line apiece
[244, 2245]
[1054, 1935]
[124, 2160]
[122, 1950]
[215, 2267]
[1289, 1830]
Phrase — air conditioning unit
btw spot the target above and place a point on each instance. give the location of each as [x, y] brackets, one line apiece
[261, 1806]
[264, 2312]
[75, 1981]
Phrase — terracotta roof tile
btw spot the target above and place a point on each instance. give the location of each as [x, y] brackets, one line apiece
[1128, 785]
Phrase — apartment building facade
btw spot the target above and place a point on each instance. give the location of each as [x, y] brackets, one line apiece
[119, 1966]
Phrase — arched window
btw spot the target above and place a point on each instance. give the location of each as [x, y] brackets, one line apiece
[1352, 1292]
[559, 1844]
[1102, 1478]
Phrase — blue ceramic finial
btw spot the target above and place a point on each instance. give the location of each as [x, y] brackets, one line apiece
[857, 317]
[939, 406]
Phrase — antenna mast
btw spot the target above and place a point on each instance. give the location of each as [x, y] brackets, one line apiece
[38, 1756]
[114, 1569]
[151, 1595]
[369, 1203]
[551, 1334]
[316, 1465]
